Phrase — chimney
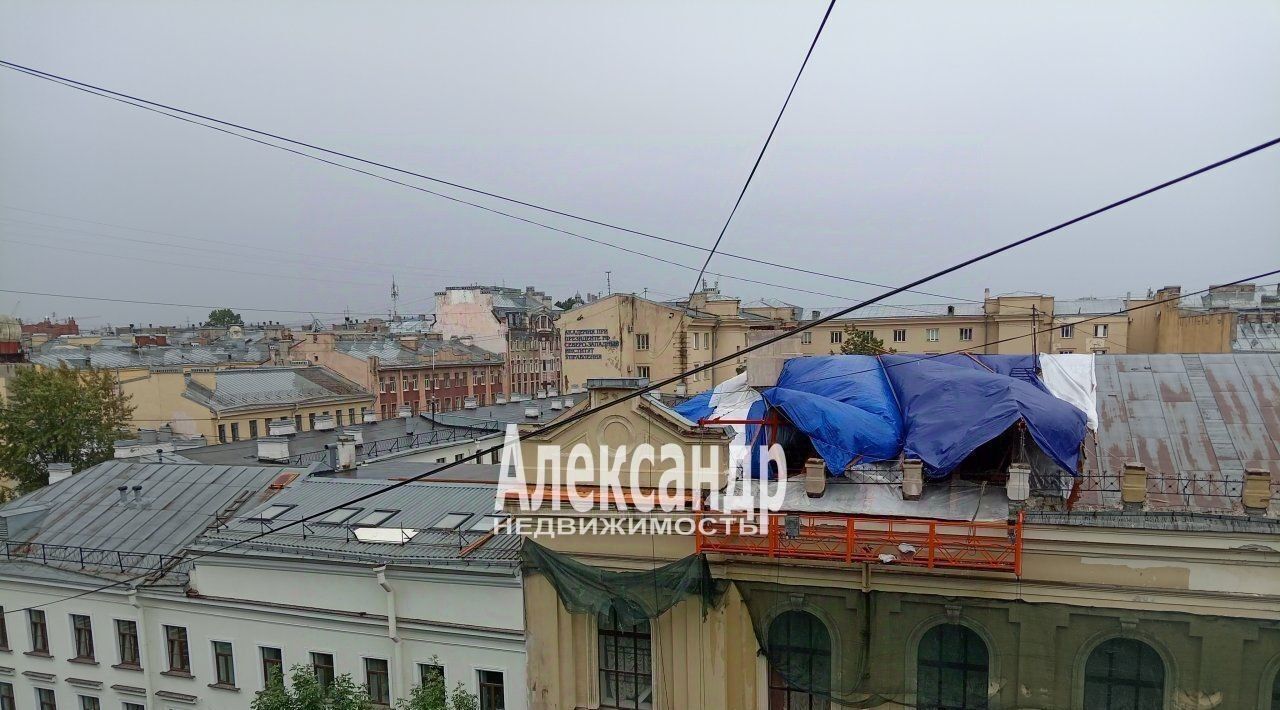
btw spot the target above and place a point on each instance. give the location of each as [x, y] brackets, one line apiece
[815, 477]
[1133, 485]
[346, 449]
[912, 479]
[1018, 487]
[282, 427]
[369, 417]
[137, 494]
[58, 472]
[410, 424]
[273, 448]
[1256, 494]
[331, 453]
[124, 493]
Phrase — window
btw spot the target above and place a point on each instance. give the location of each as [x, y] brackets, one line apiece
[127, 643]
[4, 633]
[253, 428]
[429, 673]
[7, 701]
[235, 431]
[134, 706]
[351, 414]
[900, 335]
[806, 337]
[626, 674]
[224, 664]
[799, 662]
[322, 666]
[311, 421]
[1065, 351]
[39, 631]
[297, 422]
[45, 699]
[175, 639]
[339, 516]
[88, 702]
[82, 635]
[951, 669]
[1124, 673]
[376, 517]
[486, 523]
[492, 696]
[272, 666]
[642, 341]
[931, 335]
[642, 371]
[966, 333]
[272, 512]
[1100, 330]
[1100, 352]
[837, 336]
[451, 521]
[1067, 331]
[377, 680]
[222, 433]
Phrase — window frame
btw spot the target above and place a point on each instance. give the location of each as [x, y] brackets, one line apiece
[177, 642]
[386, 680]
[1101, 330]
[1166, 670]
[76, 638]
[899, 335]
[966, 335]
[610, 635]
[136, 661]
[8, 701]
[351, 513]
[501, 689]
[265, 664]
[217, 657]
[40, 699]
[1067, 331]
[89, 702]
[775, 681]
[932, 335]
[38, 632]
[462, 520]
[641, 341]
[964, 665]
[313, 656]
[363, 521]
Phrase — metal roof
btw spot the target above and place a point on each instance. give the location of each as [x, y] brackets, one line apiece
[497, 416]
[914, 310]
[273, 385]
[417, 506]
[1195, 421]
[106, 355]
[178, 502]
[1087, 306]
[1254, 336]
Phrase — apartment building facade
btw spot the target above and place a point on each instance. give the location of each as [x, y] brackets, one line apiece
[624, 335]
[522, 325]
[420, 372]
[210, 633]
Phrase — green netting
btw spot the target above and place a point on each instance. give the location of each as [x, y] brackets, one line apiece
[635, 596]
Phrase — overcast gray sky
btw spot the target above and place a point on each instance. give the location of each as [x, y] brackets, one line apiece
[921, 133]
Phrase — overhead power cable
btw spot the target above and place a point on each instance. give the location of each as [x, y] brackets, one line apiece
[642, 391]
[173, 111]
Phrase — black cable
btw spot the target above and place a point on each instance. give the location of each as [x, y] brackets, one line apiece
[138, 102]
[768, 139]
[185, 305]
[640, 392]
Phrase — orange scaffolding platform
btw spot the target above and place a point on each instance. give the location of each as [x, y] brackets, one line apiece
[912, 542]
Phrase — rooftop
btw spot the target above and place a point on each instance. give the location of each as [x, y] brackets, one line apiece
[495, 417]
[266, 386]
[425, 523]
[114, 353]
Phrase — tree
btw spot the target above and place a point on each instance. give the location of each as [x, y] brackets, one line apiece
[433, 695]
[305, 692]
[862, 342]
[570, 302]
[59, 416]
[223, 317]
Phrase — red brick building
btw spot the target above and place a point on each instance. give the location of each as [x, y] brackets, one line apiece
[52, 328]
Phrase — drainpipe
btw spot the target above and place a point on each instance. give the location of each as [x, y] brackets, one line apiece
[393, 633]
[148, 663]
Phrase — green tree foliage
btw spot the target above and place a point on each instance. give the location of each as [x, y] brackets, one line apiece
[570, 302]
[305, 692]
[223, 317]
[59, 416]
[862, 342]
[434, 695]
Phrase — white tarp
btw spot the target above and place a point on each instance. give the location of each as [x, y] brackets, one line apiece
[732, 399]
[1071, 378]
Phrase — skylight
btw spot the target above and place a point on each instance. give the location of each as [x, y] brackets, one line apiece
[272, 512]
[341, 515]
[451, 521]
[485, 523]
[397, 536]
[376, 517]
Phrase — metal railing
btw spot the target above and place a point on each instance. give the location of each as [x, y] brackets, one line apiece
[994, 546]
[382, 447]
[87, 557]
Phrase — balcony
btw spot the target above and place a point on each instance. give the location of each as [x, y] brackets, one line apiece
[907, 542]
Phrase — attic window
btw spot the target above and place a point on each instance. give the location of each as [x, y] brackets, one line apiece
[272, 512]
[376, 517]
[398, 536]
[451, 521]
[339, 516]
[485, 523]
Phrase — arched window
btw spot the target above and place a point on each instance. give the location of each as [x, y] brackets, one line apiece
[1124, 673]
[799, 662]
[952, 669]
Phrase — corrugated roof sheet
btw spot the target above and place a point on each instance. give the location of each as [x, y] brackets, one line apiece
[418, 506]
[104, 356]
[272, 385]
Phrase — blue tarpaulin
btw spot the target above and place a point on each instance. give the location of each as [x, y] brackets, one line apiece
[865, 409]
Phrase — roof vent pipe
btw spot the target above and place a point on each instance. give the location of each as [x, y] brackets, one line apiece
[137, 494]
[124, 493]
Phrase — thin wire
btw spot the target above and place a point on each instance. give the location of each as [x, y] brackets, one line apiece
[642, 391]
[768, 139]
[188, 305]
[139, 102]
